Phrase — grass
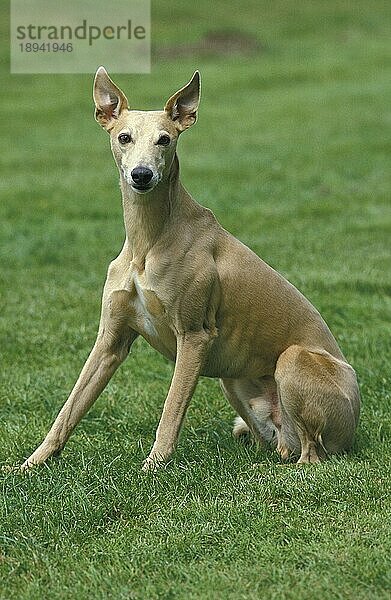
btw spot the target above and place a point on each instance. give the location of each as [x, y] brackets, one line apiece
[292, 153]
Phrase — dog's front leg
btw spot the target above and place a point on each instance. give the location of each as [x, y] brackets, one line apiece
[111, 348]
[192, 348]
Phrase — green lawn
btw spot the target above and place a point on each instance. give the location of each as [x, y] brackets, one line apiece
[292, 153]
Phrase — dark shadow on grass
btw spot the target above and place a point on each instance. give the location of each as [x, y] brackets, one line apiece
[213, 43]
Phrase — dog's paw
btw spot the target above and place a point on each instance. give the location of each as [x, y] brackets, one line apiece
[152, 464]
[283, 450]
[240, 428]
[149, 465]
[9, 468]
[25, 467]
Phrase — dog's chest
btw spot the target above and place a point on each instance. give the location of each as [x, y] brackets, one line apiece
[147, 306]
[149, 316]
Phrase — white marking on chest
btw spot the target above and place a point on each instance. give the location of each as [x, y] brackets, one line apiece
[141, 309]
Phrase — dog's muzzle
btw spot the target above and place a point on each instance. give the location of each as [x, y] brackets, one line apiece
[141, 178]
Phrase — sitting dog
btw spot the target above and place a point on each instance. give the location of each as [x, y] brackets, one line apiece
[207, 302]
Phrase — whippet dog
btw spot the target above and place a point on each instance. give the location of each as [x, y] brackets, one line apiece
[205, 301]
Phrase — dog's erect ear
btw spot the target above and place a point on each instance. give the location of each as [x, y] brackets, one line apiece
[183, 105]
[108, 98]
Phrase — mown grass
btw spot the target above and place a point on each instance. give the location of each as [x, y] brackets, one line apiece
[292, 153]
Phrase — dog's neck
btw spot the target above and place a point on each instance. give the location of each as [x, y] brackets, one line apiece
[147, 215]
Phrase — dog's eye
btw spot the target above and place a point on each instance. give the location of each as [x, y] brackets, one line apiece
[124, 138]
[164, 140]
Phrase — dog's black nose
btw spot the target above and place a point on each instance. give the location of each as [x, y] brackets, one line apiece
[142, 175]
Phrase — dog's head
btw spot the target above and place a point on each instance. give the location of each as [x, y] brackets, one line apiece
[144, 142]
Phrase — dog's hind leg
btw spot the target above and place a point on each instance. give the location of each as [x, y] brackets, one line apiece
[256, 402]
[320, 403]
[111, 347]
